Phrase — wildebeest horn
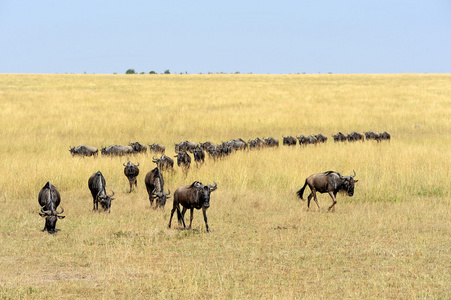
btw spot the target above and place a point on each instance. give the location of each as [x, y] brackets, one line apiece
[123, 164]
[45, 212]
[137, 164]
[168, 192]
[111, 194]
[212, 188]
[354, 174]
[62, 210]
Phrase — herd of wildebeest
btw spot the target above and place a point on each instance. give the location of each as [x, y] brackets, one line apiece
[195, 195]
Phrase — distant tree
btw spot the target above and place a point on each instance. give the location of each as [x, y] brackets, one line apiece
[167, 72]
[130, 71]
[152, 72]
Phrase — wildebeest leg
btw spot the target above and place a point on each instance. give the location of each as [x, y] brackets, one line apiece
[172, 213]
[334, 200]
[191, 217]
[204, 211]
[308, 200]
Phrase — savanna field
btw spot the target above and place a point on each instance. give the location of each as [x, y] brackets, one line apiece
[391, 240]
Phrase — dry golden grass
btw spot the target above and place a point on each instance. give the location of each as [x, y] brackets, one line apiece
[390, 240]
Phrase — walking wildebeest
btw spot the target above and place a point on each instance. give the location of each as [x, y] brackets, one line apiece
[355, 136]
[339, 137]
[199, 155]
[385, 136]
[96, 184]
[116, 150]
[155, 184]
[371, 135]
[164, 163]
[271, 142]
[185, 146]
[83, 150]
[289, 141]
[183, 160]
[328, 182]
[194, 196]
[49, 198]
[321, 138]
[131, 171]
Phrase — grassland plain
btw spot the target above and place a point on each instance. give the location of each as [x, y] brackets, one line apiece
[391, 240]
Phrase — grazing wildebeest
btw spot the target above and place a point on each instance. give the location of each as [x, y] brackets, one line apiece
[83, 150]
[289, 141]
[194, 196]
[339, 137]
[154, 184]
[49, 198]
[96, 184]
[199, 155]
[183, 160]
[328, 182]
[131, 171]
[157, 148]
[138, 147]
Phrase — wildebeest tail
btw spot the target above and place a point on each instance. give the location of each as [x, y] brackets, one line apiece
[301, 191]
[180, 217]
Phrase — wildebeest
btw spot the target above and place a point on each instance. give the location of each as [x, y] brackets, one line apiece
[138, 147]
[257, 143]
[371, 135]
[289, 141]
[164, 163]
[116, 150]
[305, 140]
[96, 184]
[183, 160]
[355, 136]
[271, 142]
[328, 182]
[157, 148]
[339, 137]
[237, 144]
[199, 155]
[49, 198]
[83, 150]
[131, 171]
[321, 138]
[385, 136]
[185, 146]
[194, 196]
[155, 184]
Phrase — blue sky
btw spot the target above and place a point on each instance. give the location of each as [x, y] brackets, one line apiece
[260, 37]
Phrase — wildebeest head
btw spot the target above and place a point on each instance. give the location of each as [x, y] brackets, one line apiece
[51, 216]
[348, 184]
[205, 192]
[105, 201]
[161, 198]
